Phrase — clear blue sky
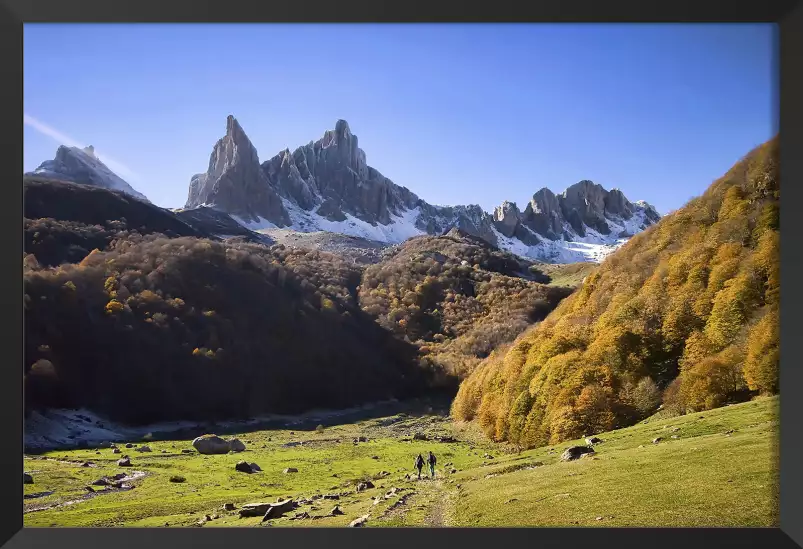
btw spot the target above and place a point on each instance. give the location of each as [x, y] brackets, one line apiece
[457, 113]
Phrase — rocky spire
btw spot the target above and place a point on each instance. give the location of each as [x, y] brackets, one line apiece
[234, 181]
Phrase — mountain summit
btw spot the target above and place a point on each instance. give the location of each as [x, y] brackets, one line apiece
[234, 181]
[327, 185]
[83, 166]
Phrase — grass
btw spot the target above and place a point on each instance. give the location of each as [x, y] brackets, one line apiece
[569, 275]
[705, 477]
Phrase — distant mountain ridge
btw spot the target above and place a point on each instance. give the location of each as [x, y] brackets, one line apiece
[327, 185]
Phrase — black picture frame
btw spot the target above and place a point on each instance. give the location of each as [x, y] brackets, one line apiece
[787, 14]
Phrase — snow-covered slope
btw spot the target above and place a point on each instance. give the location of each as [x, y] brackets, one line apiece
[82, 166]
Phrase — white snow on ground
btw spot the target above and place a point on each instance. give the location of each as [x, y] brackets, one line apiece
[560, 251]
[398, 230]
[593, 247]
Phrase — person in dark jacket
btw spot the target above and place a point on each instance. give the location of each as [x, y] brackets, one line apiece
[431, 462]
[419, 464]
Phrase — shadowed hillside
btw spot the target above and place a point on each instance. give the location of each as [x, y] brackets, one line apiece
[156, 328]
[685, 314]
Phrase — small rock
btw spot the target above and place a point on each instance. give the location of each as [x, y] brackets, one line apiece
[367, 485]
[674, 436]
[452, 471]
[593, 440]
[656, 440]
[374, 457]
[290, 470]
[336, 511]
[358, 522]
[129, 445]
[229, 507]
[116, 451]
[124, 462]
[331, 496]
[575, 452]
[599, 518]
[187, 451]
[87, 464]
[728, 432]
[511, 500]
[101, 482]
[27, 479]
[89, 489]
[420, 436]
[208, 517]
[177, 479]
[144, 449]
[675, 429]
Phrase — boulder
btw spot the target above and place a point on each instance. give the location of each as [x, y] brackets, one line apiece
[116, 451]
[244, 467]
[575, 452]
[277, 509]
[236, 445]
[255, 468]
[124, 462]
[336, 511]
[290, 470]
[129, 445]
[102, 482]
[144, 449]
[229, 507]
[593, 440]
[27, 479]
[211, 444]
[254, 509]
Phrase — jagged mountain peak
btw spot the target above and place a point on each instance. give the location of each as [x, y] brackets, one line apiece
[234, 181]
[328, 185]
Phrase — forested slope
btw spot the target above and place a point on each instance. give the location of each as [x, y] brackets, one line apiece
[684, 314]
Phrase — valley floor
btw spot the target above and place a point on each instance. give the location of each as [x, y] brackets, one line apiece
[717, 468]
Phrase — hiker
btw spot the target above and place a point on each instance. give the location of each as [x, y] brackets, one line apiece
[419, 464]
[432, 462]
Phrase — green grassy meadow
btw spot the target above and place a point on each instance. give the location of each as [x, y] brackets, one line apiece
[721, 470]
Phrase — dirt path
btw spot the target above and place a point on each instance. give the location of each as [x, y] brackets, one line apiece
[439, 499]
